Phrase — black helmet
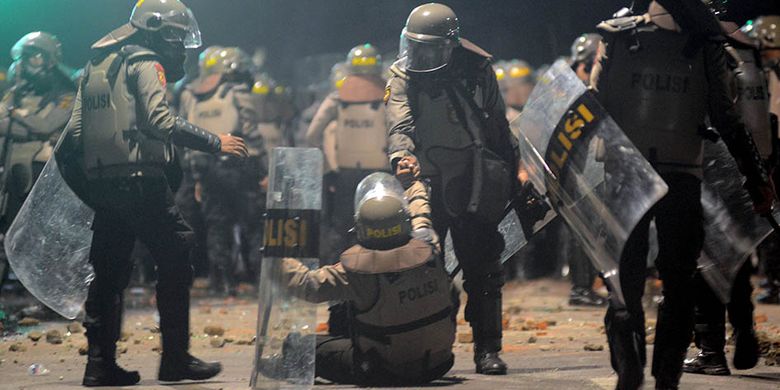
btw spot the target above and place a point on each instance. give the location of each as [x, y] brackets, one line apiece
[584, 48]
[382, 218]
[427, 40]
[36, 54]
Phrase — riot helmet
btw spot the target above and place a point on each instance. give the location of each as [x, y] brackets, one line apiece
[585, 48]
[170, 28]
[337, 75]
[264, 85]
[382, 219]
[206, 62]
[36, 56]
[231, 63]
[364, 60]
[430, 35]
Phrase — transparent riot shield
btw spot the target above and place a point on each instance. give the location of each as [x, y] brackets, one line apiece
[732, 230]
[48, 244]
[285, 327]
[594, 177]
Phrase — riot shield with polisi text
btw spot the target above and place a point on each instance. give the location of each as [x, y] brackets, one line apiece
[285, 327]
[594, 177]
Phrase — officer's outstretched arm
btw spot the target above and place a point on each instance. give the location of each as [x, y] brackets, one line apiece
[327, 283]
[400, 122]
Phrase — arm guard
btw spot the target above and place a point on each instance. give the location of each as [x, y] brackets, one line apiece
[190, 136]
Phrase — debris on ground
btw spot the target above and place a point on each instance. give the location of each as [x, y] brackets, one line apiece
[34, 335]
[594, 347]
[83, 349]
[29, 321]
[769, 345]
[17, 347]
[54, 336]
[465, 337]
[214, 330]
[75, 327]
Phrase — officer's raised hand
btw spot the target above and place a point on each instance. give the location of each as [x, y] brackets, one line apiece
[407, 170]
[233, 145]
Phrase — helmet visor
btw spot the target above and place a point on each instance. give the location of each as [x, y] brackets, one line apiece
[184, 28]
[377, 186]
[425, 56]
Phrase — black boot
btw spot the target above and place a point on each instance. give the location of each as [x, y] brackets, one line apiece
[585, 297]
[177, 368]
[489, 363]
[102, 369]
[711, 360]
[746, 349]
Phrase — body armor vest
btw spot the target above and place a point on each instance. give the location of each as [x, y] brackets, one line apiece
[752, 97]
[658, 96]
[361, 136]
[410, 327]
[114, 145]
[441, 139]
[218, 113]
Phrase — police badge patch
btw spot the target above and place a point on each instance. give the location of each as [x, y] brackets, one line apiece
[160, 74]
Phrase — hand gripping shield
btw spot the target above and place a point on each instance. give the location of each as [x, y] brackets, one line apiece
[48, 243]
[285, 327]
[594, 177]
[732, 230]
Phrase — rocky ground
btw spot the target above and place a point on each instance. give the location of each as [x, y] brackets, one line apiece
[548, 345]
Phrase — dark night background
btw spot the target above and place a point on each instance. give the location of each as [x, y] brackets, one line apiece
[534, 30]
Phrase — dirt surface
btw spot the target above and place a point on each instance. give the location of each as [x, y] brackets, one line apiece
[548, 345]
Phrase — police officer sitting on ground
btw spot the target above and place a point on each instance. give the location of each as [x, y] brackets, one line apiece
[119, 142]
[401, 308]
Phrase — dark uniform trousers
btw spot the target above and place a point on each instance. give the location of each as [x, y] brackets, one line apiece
[126, 209]
[478, 247]
[711, 312]
[678, 218]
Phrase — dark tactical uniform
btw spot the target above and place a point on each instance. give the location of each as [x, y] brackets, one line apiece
[128, 189]
[227, 108]
[710, 328]
[422, 116]
[659, 85]
[397, 297]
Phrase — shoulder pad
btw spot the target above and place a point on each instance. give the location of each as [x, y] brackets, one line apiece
[624, 23]
[136, 53]
[398, 69]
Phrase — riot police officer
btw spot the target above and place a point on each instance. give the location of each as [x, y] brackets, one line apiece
[584, 52]
[662, 73]
[516, 83]
[445, 115]
[221, 102]
[32, 115]
[355, 144]
[710, 328]
[766, 30]
[397, 291]
[119, 138]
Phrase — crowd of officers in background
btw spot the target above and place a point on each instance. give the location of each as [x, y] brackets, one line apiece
[231, 93]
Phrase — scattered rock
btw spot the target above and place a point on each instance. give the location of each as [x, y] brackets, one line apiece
[760, 318]
[214, 330]
[218, 342]
[532, 340]
[541, 333]
[17, 347]
[54, 336]
[83, 349]
[75, 327]
[551, 322]
[514, 309]
[545, 347]
[35, 335]
[137, 341]
[229, 339]
[245, 341]
[223, 311]
[322, 327]
[593, 347]
[465, 337]
[29, 321]
[124, 336]
[121, 348]
[205, 310]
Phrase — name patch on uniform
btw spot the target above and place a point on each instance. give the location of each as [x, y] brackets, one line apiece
[572, 134]
[96, 102]
[384, 233]
[161, 74]
[292, 233]
[660, 82]
[417, 292]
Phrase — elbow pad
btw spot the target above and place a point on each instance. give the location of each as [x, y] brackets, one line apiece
[190, 136]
